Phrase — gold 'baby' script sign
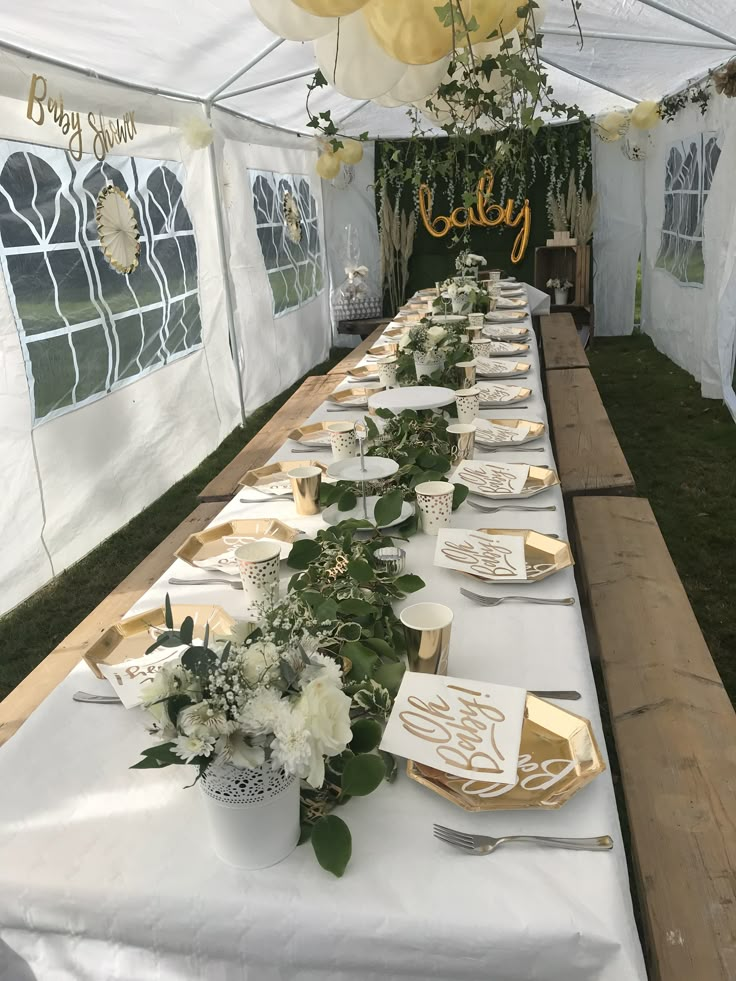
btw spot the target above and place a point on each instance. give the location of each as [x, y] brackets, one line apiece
[107, 133]
[483, 215]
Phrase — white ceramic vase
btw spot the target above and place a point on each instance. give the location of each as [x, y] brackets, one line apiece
[253, 815]
[561, 297]
[427, 363]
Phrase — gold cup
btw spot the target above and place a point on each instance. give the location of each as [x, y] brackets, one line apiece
[306, 483]
[427, 628]
[465, 373]
[462, 441]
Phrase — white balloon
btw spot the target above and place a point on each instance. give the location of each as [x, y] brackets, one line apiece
[388, 101]
[364, 70]
[420, 81]
[286, 19]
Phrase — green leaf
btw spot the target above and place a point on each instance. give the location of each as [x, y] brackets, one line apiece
[381, 647]
[303, 553]
[175, 704]
[157, 757]
[459, 495]
[390, 675]
[350, 631]
[169, 616]
[347, 501]
[332, 844]
[409, 584]
[392, 767]
[388, 507]
[327, 610]
[362, 775]
[355, 607]
[360, 570]
[366, 735]
[362, 658]
[186, 630]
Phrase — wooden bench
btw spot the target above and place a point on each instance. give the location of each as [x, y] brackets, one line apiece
[589, 458]
[28, 695]
[561, 343]
[308, 397]
[358, 353]
[675, 734]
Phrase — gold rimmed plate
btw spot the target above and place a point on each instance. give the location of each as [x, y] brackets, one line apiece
[315, 433]
[505, 349]
[478, 476]
[536, 429]
[355, 397]
[395, 333]
[274, 478]
[493, 394]
[543, 555]
[487, 368]
[505, 332]
[129, 639]
[558, 756]
[364, 373]
[506, 316]
[383, 351]
[510, 303]
[214, 548]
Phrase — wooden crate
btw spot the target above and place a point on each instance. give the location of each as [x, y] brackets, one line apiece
[571, 262]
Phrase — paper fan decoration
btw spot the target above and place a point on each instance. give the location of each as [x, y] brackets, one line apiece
[117, 229]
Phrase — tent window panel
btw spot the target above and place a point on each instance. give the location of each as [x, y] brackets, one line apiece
[294, 269]
[689, 172]
[86, 330]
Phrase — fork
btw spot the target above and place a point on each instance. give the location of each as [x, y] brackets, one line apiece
[310, 449]
[497, 600]
[509, 507]
[510, 449]
[233, 583]
[484, 844]
[266, 497]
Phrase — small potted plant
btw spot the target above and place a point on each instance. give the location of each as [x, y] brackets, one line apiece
[468, 264]
[561, 288]
[429, 345]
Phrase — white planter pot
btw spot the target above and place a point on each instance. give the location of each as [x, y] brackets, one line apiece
[427, 364]
[561, 297]
[460, 304]
[253, 815]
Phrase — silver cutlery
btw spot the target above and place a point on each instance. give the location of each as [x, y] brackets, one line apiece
[495, 406]
[310, 449]
[85, 696]
[497, 600]
[560, 696]
[509, 507]
[233, 583]
[510, 449]
[266, 497]
[346, 408]
[484, 844]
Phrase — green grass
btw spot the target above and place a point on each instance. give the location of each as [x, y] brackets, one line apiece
[32, 630]
[681, 449]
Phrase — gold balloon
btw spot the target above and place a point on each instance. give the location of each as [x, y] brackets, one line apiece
[351, 152]
[646, 115]
[611, 126]
[331, 8]
[410, 30]
[493, 15]
[328, 166]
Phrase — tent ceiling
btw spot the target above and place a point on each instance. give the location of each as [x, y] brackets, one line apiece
[193, 49]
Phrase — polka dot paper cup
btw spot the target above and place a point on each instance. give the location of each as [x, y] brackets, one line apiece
[468, 404]
[434, 500]
[259, 565]
[342, 438]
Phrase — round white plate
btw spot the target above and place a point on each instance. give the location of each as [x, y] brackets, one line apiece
[376, 468]
[418, 397]
[334, 516]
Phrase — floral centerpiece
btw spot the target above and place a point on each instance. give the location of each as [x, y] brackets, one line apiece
[561, 288]
[468, 263]
[429, 343]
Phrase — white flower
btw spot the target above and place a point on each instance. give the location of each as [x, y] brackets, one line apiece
[330, 669]
[292, 747]
[436, 334]
[164, 728]
[404, 340]
[260, 663]
[452, 290]
[237, 750]
[203, 721]
[326, 712]
[170, 679]
[188, 747]
[263, 712]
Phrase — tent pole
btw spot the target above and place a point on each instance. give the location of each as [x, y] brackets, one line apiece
[686, 19]
[266, 85]
[246, 68]
[229, 306]
[616, 36]
[590, 81]
[352, 112]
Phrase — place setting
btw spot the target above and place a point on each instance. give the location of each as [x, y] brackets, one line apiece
[490, 368]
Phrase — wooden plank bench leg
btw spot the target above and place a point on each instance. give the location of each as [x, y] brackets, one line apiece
[675, 733]
[28, 695]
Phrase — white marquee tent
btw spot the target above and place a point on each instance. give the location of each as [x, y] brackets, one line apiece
[158, 369]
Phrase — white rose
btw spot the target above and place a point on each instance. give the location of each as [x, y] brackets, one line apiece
[326, 711]
[403, 341]
[436, 334]
[260, 663]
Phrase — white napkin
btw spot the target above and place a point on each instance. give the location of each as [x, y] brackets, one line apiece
[497, 558]
[492, 479]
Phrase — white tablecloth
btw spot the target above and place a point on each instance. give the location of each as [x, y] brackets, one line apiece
[106, 873]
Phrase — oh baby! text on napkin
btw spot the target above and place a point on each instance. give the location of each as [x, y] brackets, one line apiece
[470, 729]
[498, 558]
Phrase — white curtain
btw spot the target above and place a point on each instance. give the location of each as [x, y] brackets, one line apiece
[617, 240]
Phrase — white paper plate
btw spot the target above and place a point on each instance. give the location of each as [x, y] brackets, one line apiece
[333, 516]
[376, 468]
[418, 397]
[509, 394]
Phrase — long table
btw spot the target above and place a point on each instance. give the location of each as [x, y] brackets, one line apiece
[108, 873]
